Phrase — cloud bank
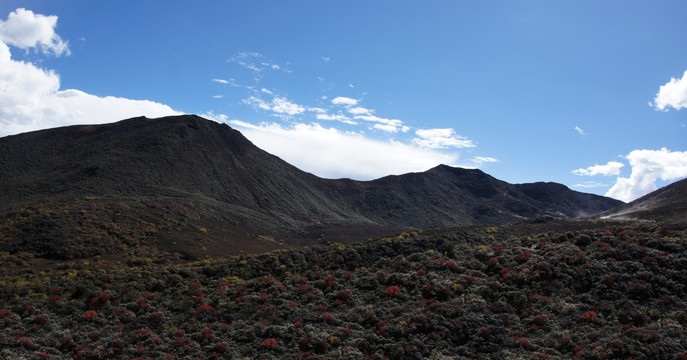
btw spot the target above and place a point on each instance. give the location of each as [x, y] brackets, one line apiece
[332, 153]
[31, 98]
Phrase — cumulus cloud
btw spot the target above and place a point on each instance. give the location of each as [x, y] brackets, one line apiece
[31, 98]
[611, 168]
[332, 153]
[648, 166]
[346, 101]
[441, 139]
[27, 30]
[672, 94]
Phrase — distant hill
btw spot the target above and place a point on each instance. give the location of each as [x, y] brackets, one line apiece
[248, 196]
[667, 204]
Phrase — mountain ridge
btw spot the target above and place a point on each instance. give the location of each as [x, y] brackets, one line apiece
[254, 194]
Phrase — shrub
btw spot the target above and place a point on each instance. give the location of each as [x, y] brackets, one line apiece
[269, 343]
[90, 315]
[392, 290]
[589, 316]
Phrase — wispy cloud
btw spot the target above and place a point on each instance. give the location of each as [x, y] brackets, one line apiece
[221, 81]
[279, 106]
[672, 94]
[346, 101]
[481, 160]
[441, 139]
[590, 185]
[610, 168]
[580, 131]
[256, 63]
[336, 117]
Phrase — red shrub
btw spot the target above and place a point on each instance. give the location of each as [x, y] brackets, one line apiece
[523, 256]
[589, 316]
[142, 303]
[89, 315]
[392, 290]
[269, 343]
[206, 308]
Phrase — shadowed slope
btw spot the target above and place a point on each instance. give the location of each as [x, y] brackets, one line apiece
[253, 195]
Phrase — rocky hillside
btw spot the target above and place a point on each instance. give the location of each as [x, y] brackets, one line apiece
[667, 204]
[245, 193]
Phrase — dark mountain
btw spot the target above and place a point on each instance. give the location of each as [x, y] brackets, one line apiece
[667, 204]
[247, 195]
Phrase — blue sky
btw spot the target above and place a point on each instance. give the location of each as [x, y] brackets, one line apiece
[591, 94]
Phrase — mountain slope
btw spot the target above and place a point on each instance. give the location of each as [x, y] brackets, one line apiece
[666, 204]
[250, 194]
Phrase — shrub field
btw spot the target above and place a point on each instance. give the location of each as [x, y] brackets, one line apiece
[617, 291]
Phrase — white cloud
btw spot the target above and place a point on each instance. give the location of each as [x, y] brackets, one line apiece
[334, 117]
[27, 30]
[441, 139]
[647, 167]
[385, 128]
[611, 168]
[283, 106]
[590, 185]
[221, 81]
[30, 97]
[346, 101]
[317, 110]
[332, 153]
[280, 106]
[220, 118]
[672, 94]
[479, 160]
[580, 131]
[360, 111]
